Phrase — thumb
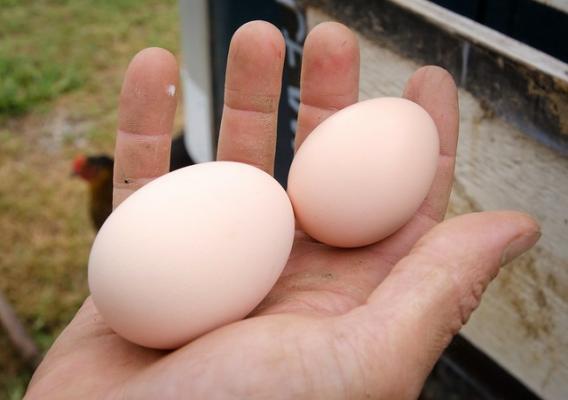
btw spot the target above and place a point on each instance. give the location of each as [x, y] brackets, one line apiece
[412, 316]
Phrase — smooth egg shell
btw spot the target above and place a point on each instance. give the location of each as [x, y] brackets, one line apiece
[363, 172]
[191, 251]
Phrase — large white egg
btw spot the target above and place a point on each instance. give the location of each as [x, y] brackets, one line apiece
[191, 251]
[364, 171]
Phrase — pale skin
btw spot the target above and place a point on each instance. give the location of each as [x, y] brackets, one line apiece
[365, 323]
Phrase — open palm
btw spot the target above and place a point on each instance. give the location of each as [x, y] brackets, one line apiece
[339, 324]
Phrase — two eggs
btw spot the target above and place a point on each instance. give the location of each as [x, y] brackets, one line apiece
[200, 247]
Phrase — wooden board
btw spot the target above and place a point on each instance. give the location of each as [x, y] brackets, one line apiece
[523, 320]
[483, 61]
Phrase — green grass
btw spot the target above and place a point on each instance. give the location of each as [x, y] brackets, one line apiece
[50, 47]
[24, 83]
[61, 67]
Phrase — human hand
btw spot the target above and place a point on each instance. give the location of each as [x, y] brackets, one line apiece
[339, 324]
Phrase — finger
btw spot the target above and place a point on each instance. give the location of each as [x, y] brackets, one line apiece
[432, 292]
[330, 75]
[252, 92]
[434, 89]
[147, 107]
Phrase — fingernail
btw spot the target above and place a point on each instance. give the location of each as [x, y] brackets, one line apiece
[519, 245]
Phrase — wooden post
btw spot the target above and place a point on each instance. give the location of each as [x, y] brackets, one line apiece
[21, 340]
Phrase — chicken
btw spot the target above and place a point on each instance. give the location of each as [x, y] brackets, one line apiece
[97, 172]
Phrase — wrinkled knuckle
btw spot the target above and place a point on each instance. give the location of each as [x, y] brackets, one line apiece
[442, 275]
[471, 300]
[250, 104]
[465, 296]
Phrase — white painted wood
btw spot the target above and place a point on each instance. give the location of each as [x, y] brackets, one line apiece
[561, 5]
[197, 79]
[523, 320]
[489, 38]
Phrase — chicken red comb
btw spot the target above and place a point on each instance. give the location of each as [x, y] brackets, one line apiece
[79, 163]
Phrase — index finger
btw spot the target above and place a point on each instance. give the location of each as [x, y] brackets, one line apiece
[148, 101]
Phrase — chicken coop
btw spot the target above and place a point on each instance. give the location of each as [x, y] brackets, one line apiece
[509, 60]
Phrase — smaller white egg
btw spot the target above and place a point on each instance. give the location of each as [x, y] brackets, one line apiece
[364, 171]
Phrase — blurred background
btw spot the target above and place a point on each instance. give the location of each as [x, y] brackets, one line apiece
[61, 68]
